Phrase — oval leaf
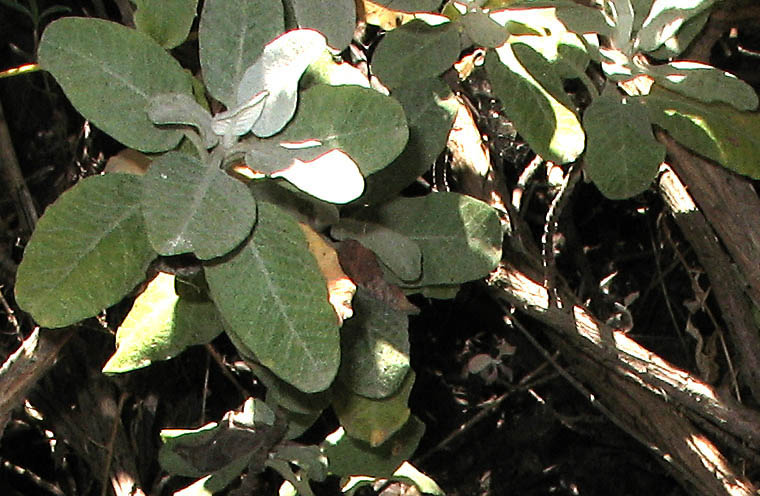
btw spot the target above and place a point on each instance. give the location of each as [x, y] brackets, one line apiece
[87, 252]
[277, 72]
[110, 73]
[414, 51]
[623, 159]
[375, 348]
[368, 126]
[231, 37]
[446, 225]
[275, 301]
[192, 207]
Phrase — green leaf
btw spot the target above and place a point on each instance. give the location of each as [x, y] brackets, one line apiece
[411, 5]
[717, 131]
[348, 456]
[445, 225]
[675, 45]
[623, 16]
[430, 109]
[160, 326]
[231, 37]
[274, 298]
[368, 126]
[179, 108]
[336, 19]
[549, 127]
[705, 83]
[194, 207]
[374, 421]
[166, 21]
[286, 396]
[375, 348]
[622, 159]
[88, 251]
[665, 19]
[399, 253]
[110, 73]
[415, 51]
[277, 72]
[483, 30]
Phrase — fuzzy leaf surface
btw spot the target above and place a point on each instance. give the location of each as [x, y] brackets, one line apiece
[623, 159]
[110, 73]
[375, 356]
[665, 19]
[336, 19]
[160, 326]
[277, 72]
[192, 207]
[274, 298]
[410, 5]
[180, 108]
[445, 225]
[415, 51]
[88, 251]
[368, 126]
[231, 37]
[717, 131]
[166, 21]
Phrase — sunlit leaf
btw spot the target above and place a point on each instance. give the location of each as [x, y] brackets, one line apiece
[161, 325]
[333, 177]
[665, 19]
[277, 72]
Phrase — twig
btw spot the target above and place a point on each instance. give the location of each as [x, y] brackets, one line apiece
[10, 172]
[10, 315]
[36, 479]
[111, 443]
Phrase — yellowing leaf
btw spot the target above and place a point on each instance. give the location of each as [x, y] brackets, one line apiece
[340, 288]
[160, 325]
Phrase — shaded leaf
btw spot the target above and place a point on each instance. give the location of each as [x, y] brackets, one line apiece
[623, 159]
[399, 253]
[717, 131]
[410, 5]
[240, 119]
[368, 126]
[231, 37]
[430, 109]
[180, 108]
[675, 45]
[335, 19]
[166, 21]
[275, 301]
[160, 326]
[286, 396]
[349, 456]
[446, 225]
[109, 73]
[375, 348]
[277, 72]
[195, 207]
[483, 30]
[415, 51]
[88, 251]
